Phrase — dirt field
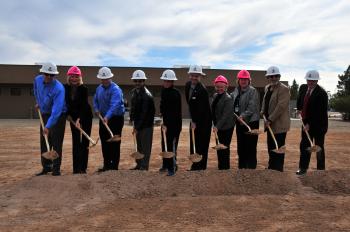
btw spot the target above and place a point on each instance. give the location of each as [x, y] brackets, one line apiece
[211, 200]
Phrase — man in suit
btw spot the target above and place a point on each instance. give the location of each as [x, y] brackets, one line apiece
[198, 102]
[275, 107]
[312, 104]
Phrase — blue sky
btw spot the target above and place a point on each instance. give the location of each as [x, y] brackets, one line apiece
[294, 35]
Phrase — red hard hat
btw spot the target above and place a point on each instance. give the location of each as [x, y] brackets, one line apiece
[243, 74]
[74, 70]
[221, 79]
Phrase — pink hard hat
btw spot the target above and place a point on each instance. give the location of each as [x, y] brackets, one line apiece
[221, 79]
[74, 70]
[243, 74]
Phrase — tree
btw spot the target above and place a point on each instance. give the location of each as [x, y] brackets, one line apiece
[294, 90]
[341, 100]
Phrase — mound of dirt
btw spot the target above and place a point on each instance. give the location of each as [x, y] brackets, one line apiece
[332, 182]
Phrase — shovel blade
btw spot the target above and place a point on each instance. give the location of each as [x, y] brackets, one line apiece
[115, 138]
[280, 150]
[195, 158]
[167, 155]
[315, 148]
[254, 132]
[219, 147]
[50, 155]
[137, 155]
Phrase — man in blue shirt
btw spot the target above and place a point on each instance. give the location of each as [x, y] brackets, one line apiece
[50, 99]
[109, 103]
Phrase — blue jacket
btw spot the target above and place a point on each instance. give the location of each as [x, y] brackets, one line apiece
[109, 101]
[50, 98]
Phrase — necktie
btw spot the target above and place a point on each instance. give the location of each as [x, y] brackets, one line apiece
[306, 103]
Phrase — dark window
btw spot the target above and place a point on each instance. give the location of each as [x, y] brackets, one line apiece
[0, 91]
[15, 92]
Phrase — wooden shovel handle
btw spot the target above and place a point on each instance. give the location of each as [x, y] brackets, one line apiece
[244, 123]
[135, 144]
[104, 123]
[43, 127]
[165, 141]
[271, 132]
[306, 132]
[81, 130]
[193, 141]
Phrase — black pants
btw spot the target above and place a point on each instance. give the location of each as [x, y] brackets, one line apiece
[225, 137]
[276, 161]
[172, 142]
[80, 149]
[144, 138]
[246, 146]
[305, 155]
[56, 135]
[111, 150]
[202, 134]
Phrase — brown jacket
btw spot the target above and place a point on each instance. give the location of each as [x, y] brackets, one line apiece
[278, 109]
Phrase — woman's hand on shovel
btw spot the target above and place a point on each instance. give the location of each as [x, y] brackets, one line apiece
[306, 127]
[215, 130]
[77, 123]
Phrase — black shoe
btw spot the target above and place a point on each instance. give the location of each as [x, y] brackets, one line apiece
[301, 172]
[163, 169]
[56, 173]
[171, 173]
[43, 172]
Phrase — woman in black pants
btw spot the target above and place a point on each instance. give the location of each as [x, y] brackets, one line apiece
[80, 111]
[246, 107]
[222, 110]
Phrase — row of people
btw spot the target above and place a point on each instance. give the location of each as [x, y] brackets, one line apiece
[241, 108]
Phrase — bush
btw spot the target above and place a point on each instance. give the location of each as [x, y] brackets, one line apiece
[341, 104]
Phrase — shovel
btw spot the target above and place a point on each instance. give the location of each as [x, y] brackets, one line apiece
[277, 150]
[250, 131]
[50, 155]
[136, 155]
[114, 138]
[166, 154]
[84, 133]
[195, 158]
[219, 146]
[313, 147]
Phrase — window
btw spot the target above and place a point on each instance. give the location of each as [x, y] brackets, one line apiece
[15, 92]
[0, 91]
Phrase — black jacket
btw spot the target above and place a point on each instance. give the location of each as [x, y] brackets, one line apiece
[317, 111]
[78, 106]
[198, 104]
[170, 108]
[142, 108]
[223, 112]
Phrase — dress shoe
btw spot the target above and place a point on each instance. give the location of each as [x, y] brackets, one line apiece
[43, 172]
[171, 173]
[56, 173]
[301, 172]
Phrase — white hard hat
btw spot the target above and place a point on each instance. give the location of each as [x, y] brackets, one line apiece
[196, 69]
[139, 75]
[168, 75]
[49, 68]
[273, 70]
[104, 73]
[312, 75]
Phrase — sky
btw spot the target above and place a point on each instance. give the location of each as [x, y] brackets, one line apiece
[295, 36]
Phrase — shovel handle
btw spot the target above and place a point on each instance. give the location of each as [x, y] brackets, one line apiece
[107, 127]
[135, 144]
[216, 138]
[306, 132]
[43, 127]
[193, 140]
[242, 121]
[165, 141]
[81, 130]
[271, 132]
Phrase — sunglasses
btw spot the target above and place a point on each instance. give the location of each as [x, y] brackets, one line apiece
[49, 75]
[273, 76]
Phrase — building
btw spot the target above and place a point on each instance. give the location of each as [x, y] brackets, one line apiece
[16, 84]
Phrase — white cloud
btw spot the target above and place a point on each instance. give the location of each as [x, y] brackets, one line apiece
[294, 35]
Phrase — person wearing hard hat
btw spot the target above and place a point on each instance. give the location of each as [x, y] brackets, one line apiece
[223, 123]
[201, 120]
[170, 109]
[50, 98]
[142, 116]
[312, 104]
[79, 110]
[275, 108]
[246, 107]
[108, 103]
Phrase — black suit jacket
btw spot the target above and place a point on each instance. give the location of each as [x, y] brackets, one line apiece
[79, 106]
[317, 111]
[198, 104]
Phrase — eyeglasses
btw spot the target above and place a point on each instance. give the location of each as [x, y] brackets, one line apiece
[49, 75]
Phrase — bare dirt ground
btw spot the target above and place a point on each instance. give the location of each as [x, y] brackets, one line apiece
[211, 200]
